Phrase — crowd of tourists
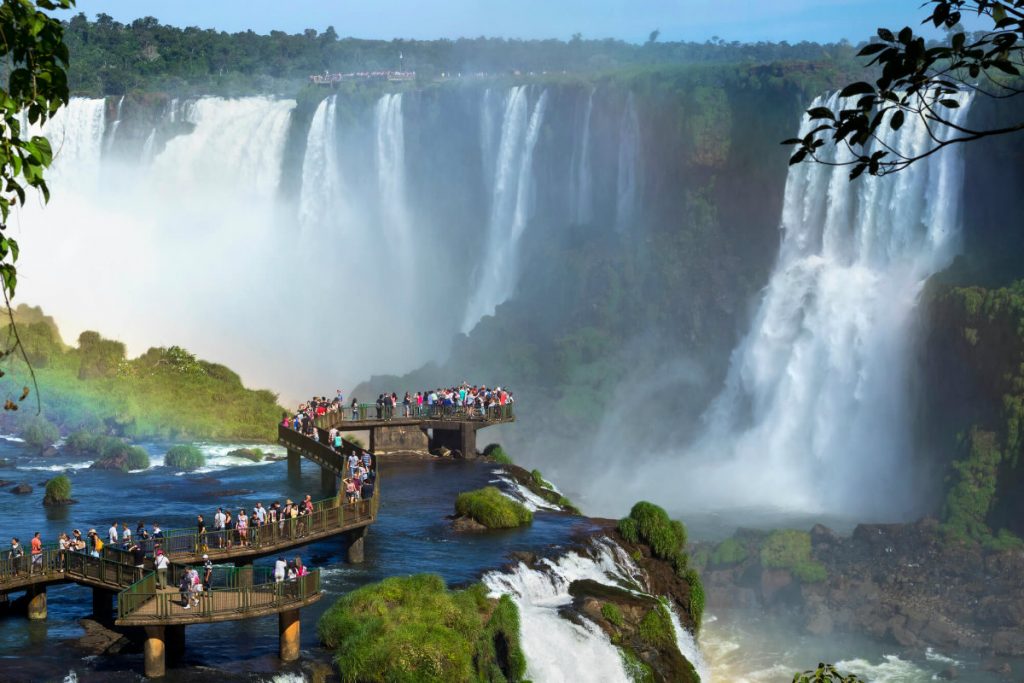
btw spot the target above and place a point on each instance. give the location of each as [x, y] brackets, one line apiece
[464, 400]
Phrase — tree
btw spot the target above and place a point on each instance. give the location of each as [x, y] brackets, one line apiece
[922, 80]
[35, 60]
[825, 673]
[653, 37]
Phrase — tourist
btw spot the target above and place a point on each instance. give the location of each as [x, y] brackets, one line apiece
[299, 569]
[138, 559]
[279, 570]
[366, 491]
[95, 543]
[355, 409]
[407, 405]
[126, 536]
[207, 574]
[77, 541]
[112, 533]
[350, 490]
[37, 554]
[292, 571]
[16, 554]
[353, 463]
[229, 528]
[161, 563]
[185, 590]
[243, 528]
[201, 534]
[218, 526]
[196, 585]
[64, 541]
[380, 406]
[337, 440]
[141, 534]
[158, 534]
[261, 514]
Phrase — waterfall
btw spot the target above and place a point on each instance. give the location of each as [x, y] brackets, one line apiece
[115, 124]
[148, 146]
[391, 170]
[814, 413]
[628, 169]
[76, 137]
[489, 135]
[511, 204]
[581, 183]
[322, 188]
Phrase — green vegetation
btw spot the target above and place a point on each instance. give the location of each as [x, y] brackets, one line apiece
[254, 454]
[613, 614]
[58, 490]
[647, 523]
[984, 333]
[110, 452]
[355, 440]
[498, 453]
[539, 480]
[729, 552]
[492, 509]
[38, 432]
[697, 598]
[656, 628]
[184, 457]
[166, 393]
[791, 549]
[637, 670]
[414, 629]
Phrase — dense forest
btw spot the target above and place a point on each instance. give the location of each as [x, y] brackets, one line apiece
[111, 58]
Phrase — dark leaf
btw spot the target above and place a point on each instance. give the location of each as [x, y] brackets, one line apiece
[897, 120]
[859, 88]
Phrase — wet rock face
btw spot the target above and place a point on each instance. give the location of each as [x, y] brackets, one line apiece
[21, 489]
[636, 624]
[904, 583]
[467, 524]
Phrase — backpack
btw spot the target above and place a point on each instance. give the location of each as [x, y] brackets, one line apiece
[99, 544]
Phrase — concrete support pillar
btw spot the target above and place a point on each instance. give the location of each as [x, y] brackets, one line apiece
[373, 440]
[294, 464]
[37, 603]
[468, 441]
[288, 630]
[355, 548]
[175, 642]
[153, 652]
[328, 481]
[102, 605]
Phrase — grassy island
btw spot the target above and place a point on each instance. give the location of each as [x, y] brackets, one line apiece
[415, 629]
[492, 509]
[184, 457]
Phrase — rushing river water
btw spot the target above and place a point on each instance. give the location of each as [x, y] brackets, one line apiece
[412, 535]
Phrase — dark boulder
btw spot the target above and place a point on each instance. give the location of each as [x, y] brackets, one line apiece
[21, 489]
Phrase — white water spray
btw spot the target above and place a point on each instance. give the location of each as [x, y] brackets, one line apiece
[582, 181]
[391, 170]
[323, 191]
[628, 166]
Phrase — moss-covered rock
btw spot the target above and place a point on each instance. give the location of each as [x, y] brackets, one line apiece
[729, 552]
[185, 458]
[791, 549]
[38, 432]
[254, 454]
[415, 629]
[112, 453]
[490, 507]
[498, 454]
[58, 491]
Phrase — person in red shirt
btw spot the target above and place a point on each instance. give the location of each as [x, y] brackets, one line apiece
[37, 553]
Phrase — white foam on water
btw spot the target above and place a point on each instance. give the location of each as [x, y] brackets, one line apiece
[932, 656]
[12, 438]
[58, 468]
[519, 493]
[891, 669]
[688, 648]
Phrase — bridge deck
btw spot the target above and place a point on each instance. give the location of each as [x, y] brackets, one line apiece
[164, 607]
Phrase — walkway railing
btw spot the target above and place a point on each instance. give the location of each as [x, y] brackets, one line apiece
[368, 412]
[330, 514]
[263, 593]
[114, 567]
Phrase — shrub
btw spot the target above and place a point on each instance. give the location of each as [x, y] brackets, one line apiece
[613, 614]
[185, 457]
[637, 670]
[650, 524]
[791, 549]
[356, 441]
[539, 480]
[492, 509]
[414, 629]
[696, 596]
[498, 453]
[58, 490]
[729, 552]
[38, 432]
[656, 628]
[138, 458]
[81, 441]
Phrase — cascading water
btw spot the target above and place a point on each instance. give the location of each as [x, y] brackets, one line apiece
[76, 137]
[115, 124]
[582, 181]
[391, 169]
[813, 417]
[557, 650]
[510, 205]
[322, 187]
[628, 166]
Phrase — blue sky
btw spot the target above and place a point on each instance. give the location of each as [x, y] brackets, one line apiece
[631, 20]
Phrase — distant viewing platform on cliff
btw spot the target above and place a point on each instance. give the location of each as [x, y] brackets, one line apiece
[327, 78]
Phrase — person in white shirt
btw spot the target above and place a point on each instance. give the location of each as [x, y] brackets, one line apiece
[279, 568]
[112, 533]
[219, 520]
[162, 563]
